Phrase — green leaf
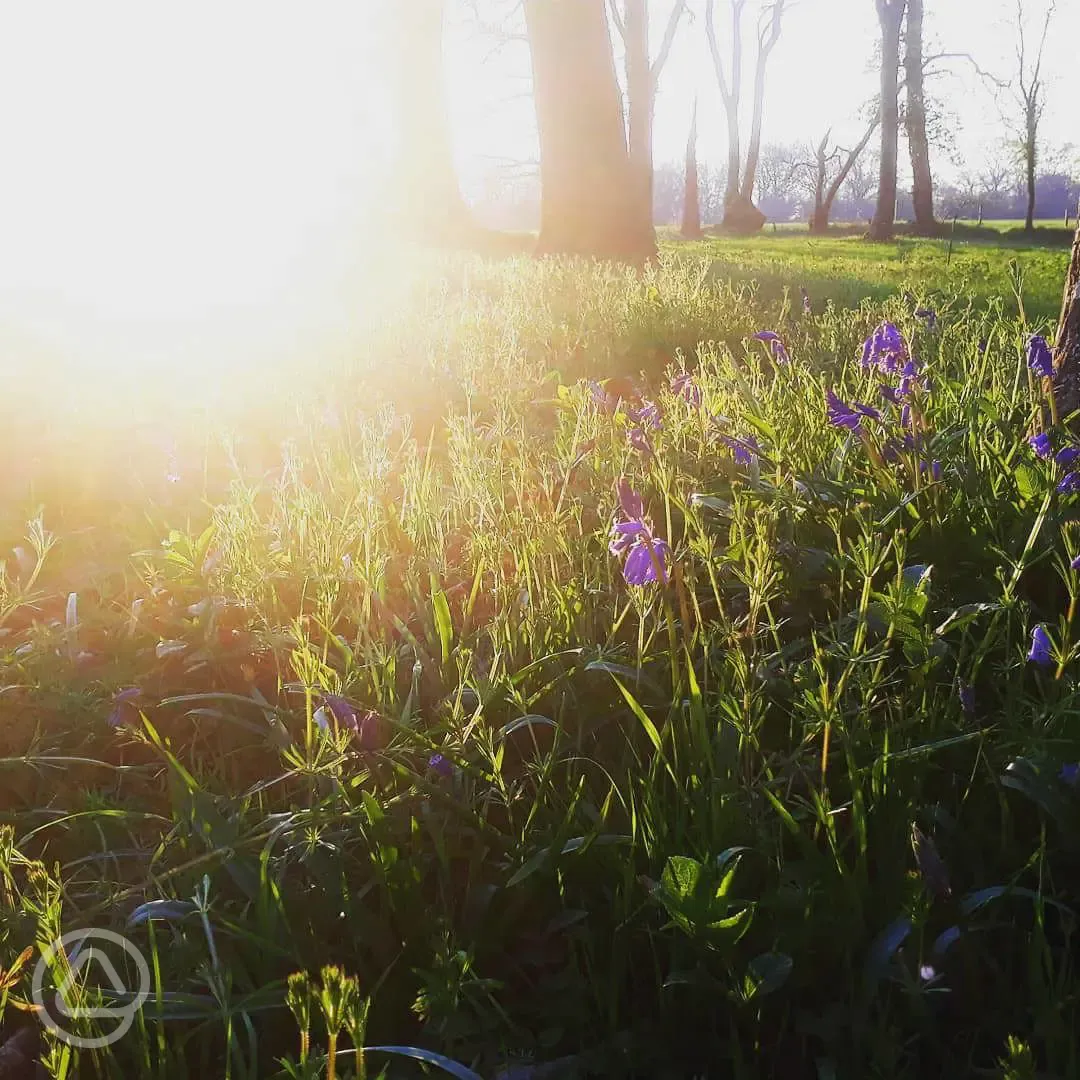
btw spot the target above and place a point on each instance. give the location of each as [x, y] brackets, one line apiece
[443, 624]
[766, 973]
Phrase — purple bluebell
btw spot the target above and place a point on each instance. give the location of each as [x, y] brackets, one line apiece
[439, 764]
[776, 345]
[1039, 357]
[601, 398]
[905, 416]
[1074, 564]
[929, 315]
[1070, 773]
[890, 394]
[647, 556]
[1040, 443]
[967, 697]
[343, 711]
[683, 386]
[647, 415]
[1040, 651]
[885, 349]
[983, 345]
[640, 442]
[124, 709]
[744, 451]
[1067, 455]
[1069, 484]
[840, 414]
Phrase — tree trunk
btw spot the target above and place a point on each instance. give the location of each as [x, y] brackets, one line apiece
[590, 204]
[691, 215]
[890, 14]
[640, 98]
[430, 199]
[1030, 153]
[1067, 342]
[922, 183]
[753, 150]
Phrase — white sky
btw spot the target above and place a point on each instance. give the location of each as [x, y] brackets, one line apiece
[198, 179]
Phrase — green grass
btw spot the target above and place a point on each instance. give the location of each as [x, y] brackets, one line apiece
[738, 825]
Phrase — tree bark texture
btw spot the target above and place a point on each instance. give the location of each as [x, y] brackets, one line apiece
[890, 16]
[1067, 341]
[691, 216]
[430, 198]
[590, 204]
[922, 182]
[640, 97]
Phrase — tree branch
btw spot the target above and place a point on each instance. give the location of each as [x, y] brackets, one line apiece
[616, 17]
[714, 49]
[669, 37]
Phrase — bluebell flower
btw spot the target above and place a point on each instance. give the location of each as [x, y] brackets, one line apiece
[929, 315]
[1039, 357]
[647, 415]
[983, 345]
[744, 451]
[1069, 484]
[683, 385]
[438, 764]
[967, 697]
[840, 414]
[601, 398]
[891, 395]
[1070, 774]
[1075, 563]
[885, 349]
[905, 416]
[776, 345]
[1040, 443]
[124, 710]
[640, 442]
[1040, 650]
[646, 555]
[1067, 456]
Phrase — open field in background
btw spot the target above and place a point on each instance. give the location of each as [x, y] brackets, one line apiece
[334, 664]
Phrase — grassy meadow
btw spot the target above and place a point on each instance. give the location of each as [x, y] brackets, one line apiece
[327, 686]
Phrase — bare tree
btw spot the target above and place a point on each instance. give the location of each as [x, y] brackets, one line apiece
[642, 79]
[890, 16]
[740, 214]
[428, 187]
[830, 170]
[691, 214]
[1028, 92]
[922, 182]
[590, 203]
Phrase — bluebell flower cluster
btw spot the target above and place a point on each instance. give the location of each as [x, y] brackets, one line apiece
[885, 349]
[683, 386]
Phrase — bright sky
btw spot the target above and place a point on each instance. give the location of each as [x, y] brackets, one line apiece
[187, 182]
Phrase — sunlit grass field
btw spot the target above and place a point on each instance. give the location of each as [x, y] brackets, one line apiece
[341, 663]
